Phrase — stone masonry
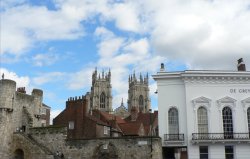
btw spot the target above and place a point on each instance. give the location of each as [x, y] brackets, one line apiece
[22, 136]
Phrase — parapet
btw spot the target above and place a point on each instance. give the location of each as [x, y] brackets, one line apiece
[37, 92]
[7, 83]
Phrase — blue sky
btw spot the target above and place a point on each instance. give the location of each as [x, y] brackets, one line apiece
[55, 45]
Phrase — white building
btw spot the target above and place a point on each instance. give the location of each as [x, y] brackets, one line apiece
[204, 114]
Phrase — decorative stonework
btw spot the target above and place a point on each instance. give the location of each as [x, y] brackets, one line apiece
[216, 79]
[201, 101]
[246, 104]
[226, 101]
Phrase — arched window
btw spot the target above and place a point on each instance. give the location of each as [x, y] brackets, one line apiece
[102, 100]
[248, 118]
[141, 103]
[173, 122]
[202, 122]
[227, 122]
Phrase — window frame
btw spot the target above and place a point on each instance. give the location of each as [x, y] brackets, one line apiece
[204, 155]
[202, 120]
[173, 120]
[102, 100]
[227, 154]
[141, 102]
[227, 118]
[71, 125]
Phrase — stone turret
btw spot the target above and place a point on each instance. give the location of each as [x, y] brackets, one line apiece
[138, 93]
[7, 94]
[38, 98]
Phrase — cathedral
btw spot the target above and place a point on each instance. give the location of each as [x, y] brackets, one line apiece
[101, 93]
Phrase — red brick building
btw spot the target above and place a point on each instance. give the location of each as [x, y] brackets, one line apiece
[82, 123]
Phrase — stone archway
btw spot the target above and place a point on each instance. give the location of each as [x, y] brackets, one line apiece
[105, 151]
[19, 154]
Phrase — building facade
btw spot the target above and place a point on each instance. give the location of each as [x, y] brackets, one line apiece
[204, 114]
[138, 93]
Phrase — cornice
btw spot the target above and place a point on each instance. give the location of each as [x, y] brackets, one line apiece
[217, 79]
[206, 76]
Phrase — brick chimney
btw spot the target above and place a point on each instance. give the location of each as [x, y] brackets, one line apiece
[241, 65]
[134, 113]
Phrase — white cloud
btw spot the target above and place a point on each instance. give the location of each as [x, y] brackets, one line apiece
[109, 44]
[200, 32]
[125, 17]
[21, 81]
[45, 59]
[24, 25]
[48, 77]
[80, 79]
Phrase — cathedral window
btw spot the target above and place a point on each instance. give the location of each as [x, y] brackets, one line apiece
[102, 100]
[227, 122]
[141, 103]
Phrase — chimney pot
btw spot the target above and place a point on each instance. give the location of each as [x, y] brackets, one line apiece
[241, 65]
[162, 67]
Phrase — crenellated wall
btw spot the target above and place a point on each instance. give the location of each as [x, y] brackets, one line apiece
[18, 112]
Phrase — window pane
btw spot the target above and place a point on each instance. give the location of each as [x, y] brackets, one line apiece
[227, 122]
[229, 152]
[203, 156]
[202, 120]
[203, 149]
[203, 152]
[173, 122]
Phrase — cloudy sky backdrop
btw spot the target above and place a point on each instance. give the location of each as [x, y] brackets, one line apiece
[55, 45]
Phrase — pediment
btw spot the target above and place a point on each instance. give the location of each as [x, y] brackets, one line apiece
[246, 101]
[201, 100]
[227, 99]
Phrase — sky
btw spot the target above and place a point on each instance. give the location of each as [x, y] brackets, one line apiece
[55, 45]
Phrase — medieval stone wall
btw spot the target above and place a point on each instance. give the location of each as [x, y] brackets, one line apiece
[111, 148]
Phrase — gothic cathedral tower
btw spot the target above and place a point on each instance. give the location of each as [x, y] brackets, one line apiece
[101, 92]
[138, 94]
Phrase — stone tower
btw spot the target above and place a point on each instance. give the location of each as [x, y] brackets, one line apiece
[18, 113]
[101, 91]
[138, 93]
